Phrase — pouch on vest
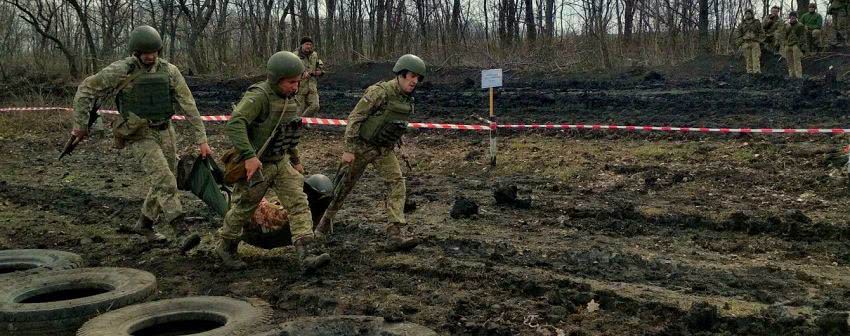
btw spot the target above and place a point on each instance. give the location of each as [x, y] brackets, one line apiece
[386, 126]
[285, 139]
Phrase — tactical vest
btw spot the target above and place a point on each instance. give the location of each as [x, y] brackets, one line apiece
[288, 133]
[387, 124]
[148, 96]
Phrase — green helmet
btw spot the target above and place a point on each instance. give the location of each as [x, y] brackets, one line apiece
[145, 39]
[319, 183]
[410, 63]
[283, 64]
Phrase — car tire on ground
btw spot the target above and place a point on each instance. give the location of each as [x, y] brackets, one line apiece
[58, 302]
[201, 315]
[26, 261]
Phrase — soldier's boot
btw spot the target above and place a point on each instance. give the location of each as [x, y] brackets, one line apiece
[308, 261]
[227, 251]
[397, 242]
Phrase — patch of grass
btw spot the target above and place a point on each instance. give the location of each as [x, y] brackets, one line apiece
[665, 152]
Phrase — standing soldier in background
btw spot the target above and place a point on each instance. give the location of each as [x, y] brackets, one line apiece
[840, 10]
[813, 22]
[149, 91]
[264, 129]
[749, 37]
[793, 34]
[771, 26]
[375, 128]
[308, 90]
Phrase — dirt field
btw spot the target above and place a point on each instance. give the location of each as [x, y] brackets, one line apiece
[626, 234]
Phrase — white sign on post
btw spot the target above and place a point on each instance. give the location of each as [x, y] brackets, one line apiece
[491, 78]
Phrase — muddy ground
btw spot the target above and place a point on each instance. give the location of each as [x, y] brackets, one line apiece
[626, 234]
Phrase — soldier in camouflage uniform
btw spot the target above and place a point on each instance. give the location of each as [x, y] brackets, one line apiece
[150, 91]
[749, 37]
[840, 11]
[308, 90]
[771, 26]
[264, 129]
[793, 35]
[375, 128]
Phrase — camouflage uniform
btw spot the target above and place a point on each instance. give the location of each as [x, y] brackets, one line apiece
[384, 159]
[250, 126]
[792, 36]
[308, 90]
[154, 146]
[840, 11]
[749, 36]
[771, 27]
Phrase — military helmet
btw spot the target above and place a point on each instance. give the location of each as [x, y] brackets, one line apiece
[749, 10]
[283, 64]
[319, 183]
[145, 39]
[792, 14]
[410, 63]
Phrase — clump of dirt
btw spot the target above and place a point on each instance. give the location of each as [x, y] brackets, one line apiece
[508, 195]
[464, 208]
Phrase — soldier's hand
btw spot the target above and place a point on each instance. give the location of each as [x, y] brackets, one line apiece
[79, 133]
[205, 150]
[348, 157]
[299, 167]
[317, 72]
[305, 75]
[252, 165]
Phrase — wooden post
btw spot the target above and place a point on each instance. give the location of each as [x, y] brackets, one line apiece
[493, 128]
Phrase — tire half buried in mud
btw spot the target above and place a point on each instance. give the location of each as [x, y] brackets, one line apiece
[27, 261]
[200, 315]
[56, 303]
[347, 325]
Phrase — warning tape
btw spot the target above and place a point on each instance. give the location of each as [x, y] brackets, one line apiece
[341, 122]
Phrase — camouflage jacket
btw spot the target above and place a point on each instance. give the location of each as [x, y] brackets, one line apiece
[812, 20]
[102, 85]
[255, 117]
[311, 63]
[749, 31]
[793, 34]
[373, 99]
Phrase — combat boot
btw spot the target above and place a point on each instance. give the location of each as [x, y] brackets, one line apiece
[227, 250]
[397, 242]
[303, 247]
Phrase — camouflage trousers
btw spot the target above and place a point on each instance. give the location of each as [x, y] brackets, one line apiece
[386, 163]
[308, 103]
[156, 151]
[794, 60]
[752, 57]
[287, 183]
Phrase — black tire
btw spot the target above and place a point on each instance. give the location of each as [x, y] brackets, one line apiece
[201, 315]
[58, 302]
[348, 325]
[27, 261]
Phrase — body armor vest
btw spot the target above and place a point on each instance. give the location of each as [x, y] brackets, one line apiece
[289, 131]
[386, 126]
[148, 96]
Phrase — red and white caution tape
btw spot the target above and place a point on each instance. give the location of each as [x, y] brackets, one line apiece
[680, 129]
[341, 122]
